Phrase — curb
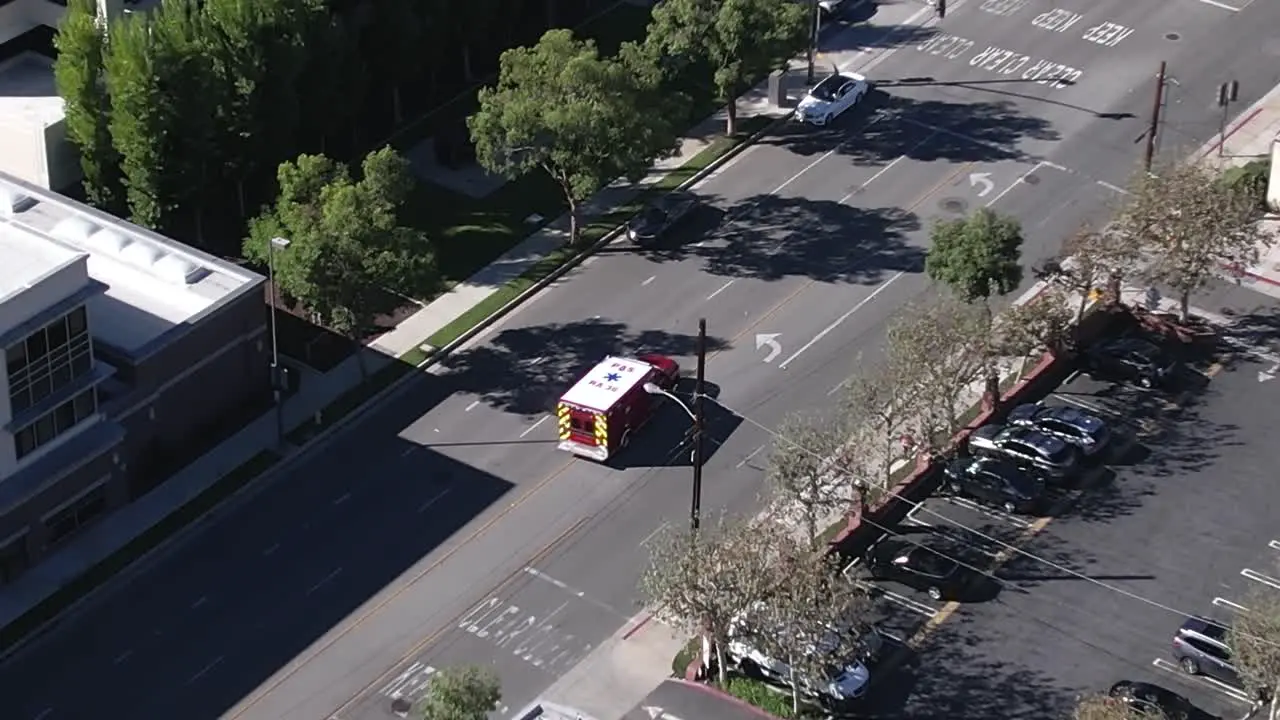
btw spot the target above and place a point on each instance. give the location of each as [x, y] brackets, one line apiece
[253, 487]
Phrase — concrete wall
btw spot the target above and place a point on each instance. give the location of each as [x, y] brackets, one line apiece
[49, 291]
[22, 153]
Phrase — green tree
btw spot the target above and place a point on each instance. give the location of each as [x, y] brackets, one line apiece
[78, 74]
[392, 46]
[350, 257]
[1250, 180]
[468, 692]
[1190, 226]
[560, 107]
[1255, 643]
[733, 41]
[977, 257]
[140, 118]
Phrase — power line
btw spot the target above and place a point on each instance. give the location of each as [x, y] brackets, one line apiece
[1013, 548]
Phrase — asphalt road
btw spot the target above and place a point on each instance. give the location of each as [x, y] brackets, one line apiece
[446, 528]
[1182, 524]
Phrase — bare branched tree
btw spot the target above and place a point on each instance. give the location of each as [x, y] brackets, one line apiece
[1090, 260]
[1255, 643]
[1102, 707]
[807, 624]
[941, 349]
[800, 473]
[709, 577]
[880, 407]
[1190, 226]
[1043, 324]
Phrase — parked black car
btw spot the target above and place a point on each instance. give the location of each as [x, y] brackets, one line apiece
[916, 566]
[1086, 431]
[1027, 448]
[648, 227]
[1153, 700]
[998, 482]
[1131, 359]
[1200, 646]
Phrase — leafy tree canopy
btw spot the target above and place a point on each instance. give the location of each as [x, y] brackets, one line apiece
[976, 257]
[461, 693]
[581, 118]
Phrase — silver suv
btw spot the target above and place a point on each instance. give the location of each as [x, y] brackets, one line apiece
[1200, 647]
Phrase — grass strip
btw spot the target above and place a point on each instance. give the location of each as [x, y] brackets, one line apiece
[593, 233]
[108, 567]
[686, 655]
[775, 701]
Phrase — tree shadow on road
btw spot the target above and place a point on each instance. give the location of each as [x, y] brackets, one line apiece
[885, 127]
[770, 238]
[523, 370]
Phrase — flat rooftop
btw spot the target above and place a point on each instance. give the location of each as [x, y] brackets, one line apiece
[25, 257]
[28, 96]
[153, 283]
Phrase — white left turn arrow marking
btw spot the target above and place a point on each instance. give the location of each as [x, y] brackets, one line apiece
[1269, 374]
[769, 340]
[656, 712]
[983, 179]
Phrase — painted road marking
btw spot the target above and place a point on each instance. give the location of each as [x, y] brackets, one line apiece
[883, 170]
[1057, 20]
[747, 459]
[721, 289]
[200, 601]
[472, 406]
[1021, 179]
[574, 591]
[510, 623]
[345, 497]
[535, 425]
[827, 330]
[410, 684]
[648, 538]
[44, 714]
[994, 59]
[1258, 577]
[1274, 544]
[1108, 34]
[327, 579]
[274, 547]
[913, 512]
[1221, 687]
[989, 512]
[1003, 8]
[1224, 603]
[432, 501]
[122, 657]
[651, 279]
[205, 670]
[1224, 6]
[875, 590]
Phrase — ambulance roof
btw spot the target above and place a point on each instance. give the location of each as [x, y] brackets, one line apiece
[612, 378]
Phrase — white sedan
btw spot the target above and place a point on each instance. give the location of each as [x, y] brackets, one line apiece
[837, 93]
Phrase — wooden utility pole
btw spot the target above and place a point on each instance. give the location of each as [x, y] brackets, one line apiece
[1150, 155]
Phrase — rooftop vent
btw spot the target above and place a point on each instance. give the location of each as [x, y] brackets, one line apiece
[74, 229]
[140, 254]
[13, 202]
[178, 271]
[108, 242]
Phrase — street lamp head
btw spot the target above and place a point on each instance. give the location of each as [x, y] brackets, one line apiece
[652, 389]
[279, 242]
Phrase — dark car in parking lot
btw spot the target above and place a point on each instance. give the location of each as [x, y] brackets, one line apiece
[917, 566]
[1027, 448]
[1153, 701]
[648, 227]
[1086, 431]
[1200, 646]
[1131, 359]
[996, 481]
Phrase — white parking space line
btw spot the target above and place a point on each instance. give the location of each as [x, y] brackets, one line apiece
[721, 289]
[989, 512]
[1233, 607]
[1258, 577]
[901, 601]
[1223, 6]
[1225, 689]
[827, 330]
[1085, 405]
[535, 425]
[1274, 544]
[912, 517]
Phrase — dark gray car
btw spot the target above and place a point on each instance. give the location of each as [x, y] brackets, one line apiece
[650, 224]
[1027, 448]
[1072, 425]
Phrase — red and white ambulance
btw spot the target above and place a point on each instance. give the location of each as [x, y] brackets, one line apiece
[599, 414]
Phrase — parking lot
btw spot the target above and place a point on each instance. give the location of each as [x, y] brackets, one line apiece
[1175, 520]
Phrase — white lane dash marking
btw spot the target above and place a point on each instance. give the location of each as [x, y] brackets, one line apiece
[472, 406]
[721, 289]
[432, 501]
[535, 425]
[327, 579]
[199, 601]
[1021, 179]
[44, 714]
[1112, 187]
[837, 388]
[651, 279]
[827, 330]
[654, 534]
[569, 589]
[122, 657]
[1054, 165]
[542, 358]
[880, 172]
[205, 670]
[345, 497]
[409, 452]
[1274, 544]
[1222, 6]
[747, 459]
[274, 547]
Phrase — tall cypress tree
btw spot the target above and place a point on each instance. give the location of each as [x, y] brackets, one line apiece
[138, 122]
[78, 73]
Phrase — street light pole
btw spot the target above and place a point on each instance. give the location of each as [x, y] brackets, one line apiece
[699, 427]
[276, 396]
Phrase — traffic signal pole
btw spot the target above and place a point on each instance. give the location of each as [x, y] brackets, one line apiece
[1148, 157]
[699, 426]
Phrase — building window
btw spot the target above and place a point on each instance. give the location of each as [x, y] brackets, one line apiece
[14, 559]
[76, 516]
[55, 422]
[48, 359]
